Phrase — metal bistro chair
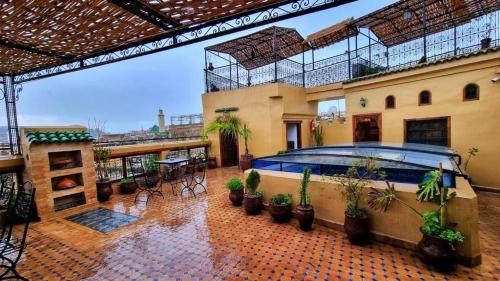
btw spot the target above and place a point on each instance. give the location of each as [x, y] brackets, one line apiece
[149, 184]
[195, 174]
[6, 190]
[20, 210]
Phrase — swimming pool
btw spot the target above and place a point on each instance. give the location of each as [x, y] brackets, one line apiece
[407, 163]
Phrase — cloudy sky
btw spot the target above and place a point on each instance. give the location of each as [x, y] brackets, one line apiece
[128, 94]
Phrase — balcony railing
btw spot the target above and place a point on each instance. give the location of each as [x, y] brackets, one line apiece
[370, 59]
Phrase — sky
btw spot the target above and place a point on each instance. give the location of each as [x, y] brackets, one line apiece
[127, 95]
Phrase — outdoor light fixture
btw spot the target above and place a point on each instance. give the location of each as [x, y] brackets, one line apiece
[362, 101]
[496, 79]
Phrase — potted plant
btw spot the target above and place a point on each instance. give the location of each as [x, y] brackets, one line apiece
[103, 183]
[152, 168]
[353, 183]
[245, 159]
[128, 185]
[317, 131]
[280, 207]
[437, 247]
[486, 40]
[235, 186]
[253, 198]
[305, 211]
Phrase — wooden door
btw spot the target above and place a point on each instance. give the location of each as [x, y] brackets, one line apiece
[367, 127]
[228, 150]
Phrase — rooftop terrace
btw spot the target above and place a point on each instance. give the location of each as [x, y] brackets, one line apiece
[186, 238]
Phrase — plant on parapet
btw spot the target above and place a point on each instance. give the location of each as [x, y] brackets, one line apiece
[353, 183]
[437, 246]
[318, 135]
[253, 198]
[305, 211]
[473, 151]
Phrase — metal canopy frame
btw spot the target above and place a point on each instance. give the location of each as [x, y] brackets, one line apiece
[181, 36]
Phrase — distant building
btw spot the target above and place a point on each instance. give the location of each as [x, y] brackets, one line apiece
[186, 126]
[161, 121]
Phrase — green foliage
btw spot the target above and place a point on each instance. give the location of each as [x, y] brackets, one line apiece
[429, 189]
[151, 165]
[227, 125]
[359, 176]
[234, 184]
[473, 151]
[126, 180]
[381, 199]
[101, 158]
[374, 69]
[281, 152]
[246, 133]
[281, 200]
[318, 135]
[253, 181]
[305, 198]
[432, 226]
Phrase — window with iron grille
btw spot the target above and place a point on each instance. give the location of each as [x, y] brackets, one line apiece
[429, 131]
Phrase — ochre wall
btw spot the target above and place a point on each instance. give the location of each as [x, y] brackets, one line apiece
[473, 123]
[265, 109]
[398, 223]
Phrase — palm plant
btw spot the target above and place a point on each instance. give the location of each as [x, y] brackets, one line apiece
[227, 125]
[245, 133]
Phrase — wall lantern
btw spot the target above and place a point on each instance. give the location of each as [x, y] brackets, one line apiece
[362, 101]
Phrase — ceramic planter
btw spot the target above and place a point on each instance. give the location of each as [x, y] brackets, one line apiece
[252, 204]
[280, 213]
[305, 215]
[246, 161]
[212, 162]
[236, 197]
[128, 188]
[437, 252]
[357, 228]
[104, 190]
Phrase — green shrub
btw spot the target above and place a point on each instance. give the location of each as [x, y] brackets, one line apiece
[151, 165]
[126, 180]
[234, 184]
[253, 181]
[281, 200]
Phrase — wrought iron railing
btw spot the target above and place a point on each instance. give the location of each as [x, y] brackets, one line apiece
[375, 57]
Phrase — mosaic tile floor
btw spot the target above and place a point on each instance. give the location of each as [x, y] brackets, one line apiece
[205, 238]
[102, 219]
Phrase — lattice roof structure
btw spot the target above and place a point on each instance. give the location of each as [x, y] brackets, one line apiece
[333, 34]
[52, 36]
[263, 47]
[403, 21]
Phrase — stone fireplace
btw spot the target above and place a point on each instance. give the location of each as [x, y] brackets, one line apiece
[60, 162]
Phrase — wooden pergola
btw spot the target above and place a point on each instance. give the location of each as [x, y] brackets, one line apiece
[42, 38]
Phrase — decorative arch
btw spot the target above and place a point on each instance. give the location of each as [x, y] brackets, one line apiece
[390, 102]
[425, 98]
[471, 92]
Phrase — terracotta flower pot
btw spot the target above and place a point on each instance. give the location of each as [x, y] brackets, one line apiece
[236, 197]
[246, 161]
[280, 213]
[104, 190]
[437, 252]
[128, 188]
[252, 204]
[305, 215]
[357, 228]
[212, 162]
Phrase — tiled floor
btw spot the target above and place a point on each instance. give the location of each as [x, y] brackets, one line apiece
[206, 238]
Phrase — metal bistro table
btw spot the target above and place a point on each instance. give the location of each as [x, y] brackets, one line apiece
[174, 171]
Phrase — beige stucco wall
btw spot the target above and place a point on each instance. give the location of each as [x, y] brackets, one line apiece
[397, 223]
[473, 123]
[265, 109]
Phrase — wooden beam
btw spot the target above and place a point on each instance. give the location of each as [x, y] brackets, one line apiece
[146, 13]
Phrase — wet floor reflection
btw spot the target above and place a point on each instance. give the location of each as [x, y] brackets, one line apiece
[189, 238]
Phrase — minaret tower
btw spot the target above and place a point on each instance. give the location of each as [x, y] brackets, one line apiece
[161, 121]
